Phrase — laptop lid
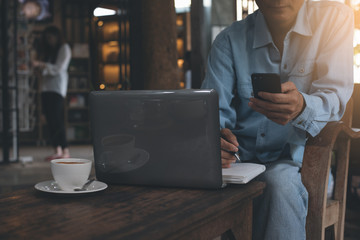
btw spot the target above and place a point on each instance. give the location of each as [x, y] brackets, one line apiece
[158, 138]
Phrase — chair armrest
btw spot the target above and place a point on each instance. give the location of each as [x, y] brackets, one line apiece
[330, 133]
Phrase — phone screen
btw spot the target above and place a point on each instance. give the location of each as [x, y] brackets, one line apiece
[265, 82]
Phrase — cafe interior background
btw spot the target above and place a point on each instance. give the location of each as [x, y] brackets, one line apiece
[112, 44]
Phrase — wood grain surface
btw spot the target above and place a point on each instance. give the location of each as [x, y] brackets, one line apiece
[128, 212]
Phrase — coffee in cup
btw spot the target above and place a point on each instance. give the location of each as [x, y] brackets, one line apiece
[71, 173]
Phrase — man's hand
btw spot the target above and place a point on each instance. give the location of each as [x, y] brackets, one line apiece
[280, 107]
[229, 145]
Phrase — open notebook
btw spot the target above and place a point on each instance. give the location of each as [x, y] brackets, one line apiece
[241, 173]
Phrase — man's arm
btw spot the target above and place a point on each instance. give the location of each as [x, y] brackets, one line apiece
[220, 76]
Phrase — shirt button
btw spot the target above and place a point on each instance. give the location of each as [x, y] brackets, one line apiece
[262, 135]
[301, 70]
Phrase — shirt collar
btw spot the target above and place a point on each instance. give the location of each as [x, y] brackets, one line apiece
[302, 25]
[263, 36]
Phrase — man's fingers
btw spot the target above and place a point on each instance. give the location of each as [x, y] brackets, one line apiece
[229, 136]
[227, 155]
[280, 98]
[267, 105]
[225, 165]
[288, 86]
[227, 146]
[227, 159]
[277, 117]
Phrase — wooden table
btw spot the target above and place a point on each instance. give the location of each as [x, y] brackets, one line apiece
[130, 212]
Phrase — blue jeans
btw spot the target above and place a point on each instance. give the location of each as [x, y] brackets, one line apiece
[280, 213]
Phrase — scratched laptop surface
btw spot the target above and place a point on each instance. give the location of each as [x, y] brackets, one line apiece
[157, 138]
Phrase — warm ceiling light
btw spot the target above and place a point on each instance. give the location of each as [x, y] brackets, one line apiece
[182, 3]
[100, 12]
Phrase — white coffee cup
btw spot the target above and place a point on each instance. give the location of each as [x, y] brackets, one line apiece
[70, 173]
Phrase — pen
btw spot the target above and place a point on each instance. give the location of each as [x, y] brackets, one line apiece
[237, 156]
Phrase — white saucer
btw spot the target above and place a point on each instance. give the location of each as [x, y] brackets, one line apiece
[51, 186]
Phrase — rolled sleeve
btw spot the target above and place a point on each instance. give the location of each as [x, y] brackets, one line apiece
[305, 120]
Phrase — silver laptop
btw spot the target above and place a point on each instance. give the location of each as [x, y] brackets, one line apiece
[157, 138]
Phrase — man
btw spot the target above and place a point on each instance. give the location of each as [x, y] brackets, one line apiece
[309, 44]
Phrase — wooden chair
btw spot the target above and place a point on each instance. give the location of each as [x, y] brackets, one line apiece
[323, 212]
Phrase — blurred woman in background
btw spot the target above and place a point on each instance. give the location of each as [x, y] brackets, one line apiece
[53, 61]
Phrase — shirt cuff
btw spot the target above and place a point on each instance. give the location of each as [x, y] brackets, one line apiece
[305, 120]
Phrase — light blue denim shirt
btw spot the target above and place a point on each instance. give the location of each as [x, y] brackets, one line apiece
[317, 57]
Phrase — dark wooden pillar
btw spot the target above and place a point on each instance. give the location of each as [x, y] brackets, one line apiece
[5, 82]
[159, 56]
[200, 39]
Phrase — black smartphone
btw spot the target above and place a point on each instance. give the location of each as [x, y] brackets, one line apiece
[265, 82]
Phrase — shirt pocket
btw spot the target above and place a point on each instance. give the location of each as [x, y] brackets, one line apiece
[302, 75]
[245, 90]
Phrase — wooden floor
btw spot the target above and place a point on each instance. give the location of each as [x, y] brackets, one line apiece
[26, 175]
